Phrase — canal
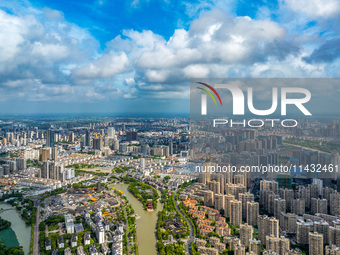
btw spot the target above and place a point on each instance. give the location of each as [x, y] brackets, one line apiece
[18, 233]
[146, 230]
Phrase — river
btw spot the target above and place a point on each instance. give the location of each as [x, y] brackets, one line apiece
[22, 232]
[146, 230]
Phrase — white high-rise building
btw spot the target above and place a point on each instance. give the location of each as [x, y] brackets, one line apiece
[69, 173]
[142, 163]
[111, 132]
[100, 233]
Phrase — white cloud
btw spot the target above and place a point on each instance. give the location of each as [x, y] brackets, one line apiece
[214, 40]
[35, 45]
[315, 8]
[105, 66]
[56, 60]
[129, 81]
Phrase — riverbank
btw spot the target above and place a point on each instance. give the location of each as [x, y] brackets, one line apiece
[18, 234]
[146, 230]
[146, 194]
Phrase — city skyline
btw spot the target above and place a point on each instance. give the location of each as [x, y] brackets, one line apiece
[128, 57]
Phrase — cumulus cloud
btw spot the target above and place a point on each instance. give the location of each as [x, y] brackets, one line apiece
[44, 57]
[213, 41]
[105, 66]
[34, 46]
[315, 8]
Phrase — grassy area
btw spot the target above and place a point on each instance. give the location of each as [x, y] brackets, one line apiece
[121, 170]
[91, 172]
[316, 145]
[143, 193]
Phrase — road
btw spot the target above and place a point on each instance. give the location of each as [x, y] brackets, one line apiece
[127, 229]
[191, 227]
[36, 230]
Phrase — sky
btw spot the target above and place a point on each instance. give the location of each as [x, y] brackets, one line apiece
[138, 56]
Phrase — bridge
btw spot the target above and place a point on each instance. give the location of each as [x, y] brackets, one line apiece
[3, 210]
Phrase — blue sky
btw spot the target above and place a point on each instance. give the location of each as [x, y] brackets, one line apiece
[139, 55]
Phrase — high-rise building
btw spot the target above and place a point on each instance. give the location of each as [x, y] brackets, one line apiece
[269, 185]
[45, 170]
[245, 198]
[267, 226]
[277, 244]
[253, 209]
[227, 202]
[209, 198]
[255, 246]
[314, 190]
[318, 205]
[55, 154]
[98, 143]
[315, 244]
[288, 195]
[334, 235]
[246, 234]
[219, 202]
[204, 175]
[288, 222]
[171, 148]
[71, 137]
[305, 194]
[44, 154]
[53, 171]
[323, 229]
[12, 166]
[298, 206]
[214, 186]
[111, 132]
[142, 163]
[326, 193]
[123, 147]
[166, 151]
[236, 212]
[87, 138]
[100, 233]
[279, 207]
[302, 232]
[221, 180]
[144, 149]
[115, 144]
[334, 203]
[50, 138]
[21, 163]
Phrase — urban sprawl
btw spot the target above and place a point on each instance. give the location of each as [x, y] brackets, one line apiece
[63, 176]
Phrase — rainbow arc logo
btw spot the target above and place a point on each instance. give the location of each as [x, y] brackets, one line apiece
[209, 93]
